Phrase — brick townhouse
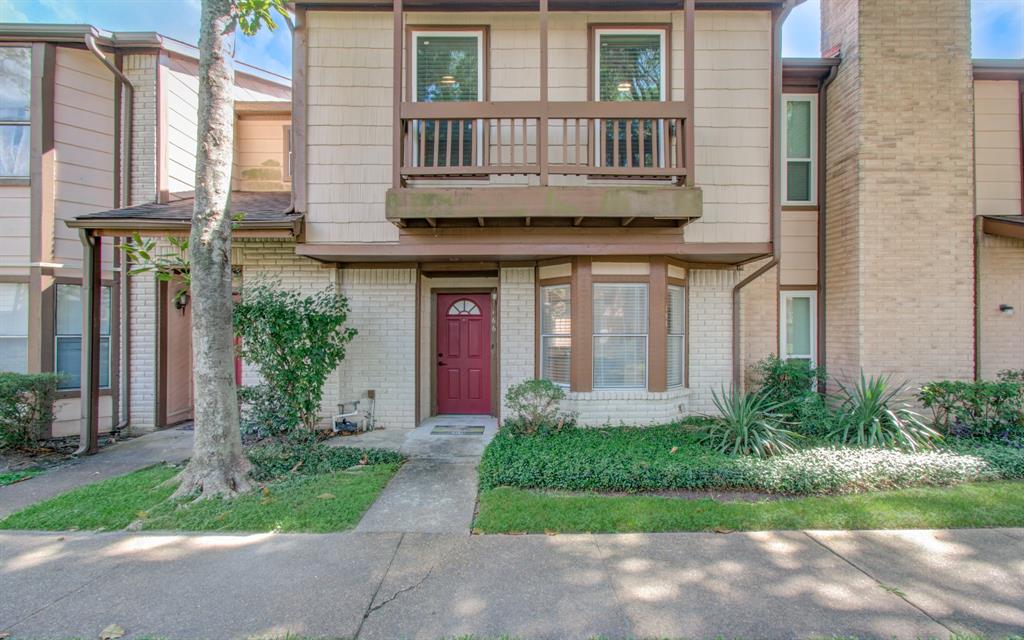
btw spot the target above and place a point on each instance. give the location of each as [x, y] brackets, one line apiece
[637, 200]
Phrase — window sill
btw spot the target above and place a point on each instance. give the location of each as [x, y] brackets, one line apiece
[67, 394]
[627, 394]
[13, 181]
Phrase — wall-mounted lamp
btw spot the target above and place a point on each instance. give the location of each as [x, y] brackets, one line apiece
[1006, 309]
[180, 302]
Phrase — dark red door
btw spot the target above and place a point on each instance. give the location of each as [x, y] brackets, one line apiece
[463, 353]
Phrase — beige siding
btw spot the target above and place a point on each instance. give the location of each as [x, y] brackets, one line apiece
[732, 123]
[261, 154]
[1000, 282]
[349, 102]
[15, 219]
[997, 122]
[799, 248]
[84, 141]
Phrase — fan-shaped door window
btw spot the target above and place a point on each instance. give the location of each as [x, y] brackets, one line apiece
[463, 308]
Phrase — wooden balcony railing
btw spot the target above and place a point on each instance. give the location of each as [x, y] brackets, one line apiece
[637, 140]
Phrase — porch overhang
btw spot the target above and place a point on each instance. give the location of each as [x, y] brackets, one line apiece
[655, 206]
[1005, 226]
[260, 215]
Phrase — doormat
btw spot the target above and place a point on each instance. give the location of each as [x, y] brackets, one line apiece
[457, 430]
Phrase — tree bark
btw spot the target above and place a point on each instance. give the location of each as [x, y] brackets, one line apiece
[218, 466]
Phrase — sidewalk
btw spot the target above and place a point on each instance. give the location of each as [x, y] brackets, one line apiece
[169, 445]
[904, 584]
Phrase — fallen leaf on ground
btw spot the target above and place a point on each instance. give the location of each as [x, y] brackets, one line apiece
[722, 530]
[112, 632]
[674, 449]
[549, 532]
[326, 496]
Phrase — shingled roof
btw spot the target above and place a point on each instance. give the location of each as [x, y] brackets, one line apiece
[259, 211]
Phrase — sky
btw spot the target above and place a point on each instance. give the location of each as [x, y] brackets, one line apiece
[997, 29]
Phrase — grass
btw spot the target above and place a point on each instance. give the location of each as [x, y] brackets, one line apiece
[989, 504]
[10, 477]
[311, 504]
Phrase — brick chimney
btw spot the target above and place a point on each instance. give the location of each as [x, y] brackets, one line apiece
[900, 189]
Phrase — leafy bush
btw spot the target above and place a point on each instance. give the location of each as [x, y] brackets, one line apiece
[264, 412]
[792, 384]
[747, 423]
[871, 414]
[295, 341]
[274, 461]
[671, 457]
[534, 407]
[1011, 375]
[980, 409]
[26, 407]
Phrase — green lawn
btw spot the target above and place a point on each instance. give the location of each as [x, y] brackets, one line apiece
[10, 477]
[989, 504]
[315, 504]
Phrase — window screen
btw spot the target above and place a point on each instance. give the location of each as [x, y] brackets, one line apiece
[620, 335]
[799, 146]
[798, 325]
[15, 101]
[556, 334]
[68, 336]
[676, 335]
[14, 327]
[447, 70]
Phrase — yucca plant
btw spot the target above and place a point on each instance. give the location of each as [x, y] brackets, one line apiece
[871, 413]
[747, 424]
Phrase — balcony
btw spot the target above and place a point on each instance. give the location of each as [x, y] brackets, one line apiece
[624, 163]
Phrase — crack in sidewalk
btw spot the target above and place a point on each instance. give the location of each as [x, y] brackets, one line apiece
[400, 592]
[899, 594]
[369, 605]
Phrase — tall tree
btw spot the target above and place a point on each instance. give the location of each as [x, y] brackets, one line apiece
[218, 466]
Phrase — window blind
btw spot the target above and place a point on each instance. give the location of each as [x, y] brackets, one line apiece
[14, 327]
[798, 151]
[620, 335]
[676, 335]
[68, 336]
[15, 100]
[556, 334]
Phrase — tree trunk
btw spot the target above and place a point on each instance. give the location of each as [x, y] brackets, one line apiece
[218, 465]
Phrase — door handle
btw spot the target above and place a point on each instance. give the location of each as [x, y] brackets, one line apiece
[441, 364]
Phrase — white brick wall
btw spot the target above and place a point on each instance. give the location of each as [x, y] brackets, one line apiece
[382, 305]
[516, 328]
[142, 335]
[710, 340]
[629, 406]
[141, 71]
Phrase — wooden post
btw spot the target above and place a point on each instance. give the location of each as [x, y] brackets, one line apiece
[90, 378]
[689, 20]
[396, 97]
[657, 320]
[542, 124]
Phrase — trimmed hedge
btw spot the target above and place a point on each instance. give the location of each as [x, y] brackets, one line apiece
[26, 406]
[670, 457]
[276, 461]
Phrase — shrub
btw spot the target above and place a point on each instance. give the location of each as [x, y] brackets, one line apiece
[871, 414]
[295, 341]
[274, 461]
[1011, 375]
[980, 409]
[534, 407]
[792, 385]
[748, 423]
[670, 457]
[26, 407]
[264, 412]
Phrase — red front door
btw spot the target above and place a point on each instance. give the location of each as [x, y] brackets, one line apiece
[463, 353]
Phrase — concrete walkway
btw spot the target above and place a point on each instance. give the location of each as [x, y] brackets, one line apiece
[903, 584]
[435, 492]
[170, 445]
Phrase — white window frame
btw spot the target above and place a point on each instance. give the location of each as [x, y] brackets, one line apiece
[11, 336]
[543, 373]
[669, 334]
[812, 159]
[645, 335]
[109, 335]
[784, 298]
[480, 76]
[596, 97]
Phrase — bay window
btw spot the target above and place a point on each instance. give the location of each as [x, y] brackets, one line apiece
[620, 335]
[15, 102]
[14, 327]
[799, 131]
[797, 334]
[556, 334]
[68, 336]
[676, 341]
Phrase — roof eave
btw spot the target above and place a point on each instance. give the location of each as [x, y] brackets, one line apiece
[999, 69]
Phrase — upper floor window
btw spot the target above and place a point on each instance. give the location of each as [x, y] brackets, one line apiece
[14, 326]
[797, 335]
[68, 336]
[15, 101]
[799, 130]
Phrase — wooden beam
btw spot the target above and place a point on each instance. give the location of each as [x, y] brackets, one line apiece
[396, 97]
[657, 326]
[542, 127]
[581, 370]
[689, 30]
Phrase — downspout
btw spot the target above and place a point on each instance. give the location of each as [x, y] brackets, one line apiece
[822, 216]
[126, 189]
[778, 17]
